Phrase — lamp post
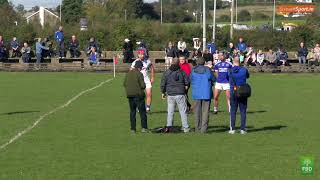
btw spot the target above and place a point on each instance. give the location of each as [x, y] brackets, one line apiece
[214, 21]
[204, 25]
[274, 14]
[231, 24]
[161, 10]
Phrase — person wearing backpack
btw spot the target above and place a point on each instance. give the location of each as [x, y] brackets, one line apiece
[239, 94]
[174, 84]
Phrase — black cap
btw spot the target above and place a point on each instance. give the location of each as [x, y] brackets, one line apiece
[138, 65]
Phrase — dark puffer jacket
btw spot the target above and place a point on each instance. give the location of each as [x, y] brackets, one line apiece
[174, 81]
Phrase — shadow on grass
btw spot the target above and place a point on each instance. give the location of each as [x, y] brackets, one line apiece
[17, 112]
[221, 129]
[268, 128]
[249, 112]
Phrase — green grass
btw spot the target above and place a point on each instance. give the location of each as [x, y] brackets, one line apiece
[90, 139]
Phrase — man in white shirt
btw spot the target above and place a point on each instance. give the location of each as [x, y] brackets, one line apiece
[148, 75]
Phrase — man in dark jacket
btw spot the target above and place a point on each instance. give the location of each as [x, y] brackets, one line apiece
[237, 77]
[174, 84]
[74, 47]
[134, 86]
[302, 54]
[127, 50]
[202, 80]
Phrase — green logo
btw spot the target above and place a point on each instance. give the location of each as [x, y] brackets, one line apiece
[307, 165]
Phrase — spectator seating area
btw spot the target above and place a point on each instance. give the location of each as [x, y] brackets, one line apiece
[106, 64]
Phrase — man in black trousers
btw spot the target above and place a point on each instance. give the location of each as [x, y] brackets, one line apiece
[135, 86]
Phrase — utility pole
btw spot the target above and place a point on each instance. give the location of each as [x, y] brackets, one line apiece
[236, 11]
[161, 10]
[60, 11]
[231, 25]
[214, 21]
[204, 26]
[274, 14]
[125, 15]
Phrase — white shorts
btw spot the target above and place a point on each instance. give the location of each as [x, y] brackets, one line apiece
[222, 86]
[148, 83]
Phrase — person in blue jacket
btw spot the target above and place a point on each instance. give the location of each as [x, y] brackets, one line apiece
[212, 47]
[202, 80]
[242, 46]
[237, 77]
[59, 37]
[39, 48]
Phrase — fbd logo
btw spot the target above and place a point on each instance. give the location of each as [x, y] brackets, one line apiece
[307, 165]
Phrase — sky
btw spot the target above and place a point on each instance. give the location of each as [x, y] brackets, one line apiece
[28, 4]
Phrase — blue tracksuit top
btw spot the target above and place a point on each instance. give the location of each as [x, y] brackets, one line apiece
[239, 74]
[59, 36]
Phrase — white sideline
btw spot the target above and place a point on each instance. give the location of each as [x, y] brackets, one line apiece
[29, 128]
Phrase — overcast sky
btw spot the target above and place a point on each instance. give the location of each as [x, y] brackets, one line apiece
[28, 4]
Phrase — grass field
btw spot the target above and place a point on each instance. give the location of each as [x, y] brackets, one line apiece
[90, 139]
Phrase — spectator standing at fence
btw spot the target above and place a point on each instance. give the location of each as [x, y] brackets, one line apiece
[237, 76]
[202, 80]
[211, 47]
[302, 54]
[59, 37]
[148, 74]
[39, 49]
[171, 53]
[14, 47]
[135, 86]
[94, 57]
[174, 84]
[242, 46]
[221, 70]
[2, 48]
[127, 50]
[74, 47]
[26, 53]
[271, 57]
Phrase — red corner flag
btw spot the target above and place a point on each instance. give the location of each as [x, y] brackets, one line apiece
[115, 60]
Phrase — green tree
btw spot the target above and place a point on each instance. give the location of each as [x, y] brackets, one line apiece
[134, 8]
[72, 11]
[4, 2]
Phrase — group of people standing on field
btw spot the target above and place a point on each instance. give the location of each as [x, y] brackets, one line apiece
[177, 80]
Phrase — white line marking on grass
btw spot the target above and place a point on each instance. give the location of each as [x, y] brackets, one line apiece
[29, 128]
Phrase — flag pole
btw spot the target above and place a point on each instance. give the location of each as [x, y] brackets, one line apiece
[114, 66]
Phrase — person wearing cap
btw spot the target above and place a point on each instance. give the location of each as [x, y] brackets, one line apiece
[221, 70]
[127, 50]
[174, 84]
[237, 76]
[135, 86]
[202, 80]
[148, 74]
